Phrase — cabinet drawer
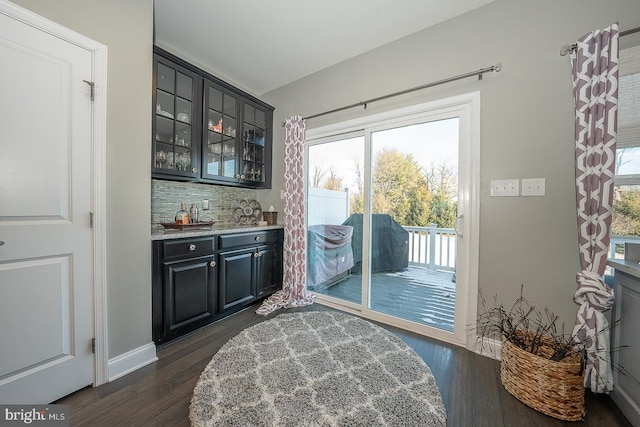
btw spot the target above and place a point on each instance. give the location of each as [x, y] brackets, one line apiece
[248, 239]
[189, 247]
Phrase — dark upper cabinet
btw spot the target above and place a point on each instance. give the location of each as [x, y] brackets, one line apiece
[176, 121]
[206, 130]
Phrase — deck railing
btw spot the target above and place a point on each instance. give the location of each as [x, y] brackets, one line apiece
[432, 247]
[616, 247]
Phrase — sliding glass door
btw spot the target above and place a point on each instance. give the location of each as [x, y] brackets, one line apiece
[413, 197]
[334, 193]
[386, 221]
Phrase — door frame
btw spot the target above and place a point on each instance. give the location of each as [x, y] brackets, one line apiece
[98, 171]
[468, 107]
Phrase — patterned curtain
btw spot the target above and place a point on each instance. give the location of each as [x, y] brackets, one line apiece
[293, 293]
[595, 89]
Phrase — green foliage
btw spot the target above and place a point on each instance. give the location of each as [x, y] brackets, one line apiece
[626, 212]
[413, 197]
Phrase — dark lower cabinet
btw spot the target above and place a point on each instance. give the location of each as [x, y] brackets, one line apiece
[237, 278]
[269, 270]
[197, 281]
[190, 293]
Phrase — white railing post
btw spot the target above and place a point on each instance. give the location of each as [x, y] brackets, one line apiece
[432, 246]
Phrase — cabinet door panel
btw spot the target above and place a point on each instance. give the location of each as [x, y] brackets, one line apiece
[189, 294]
[237, 278]
[269, 270]
[176, 124]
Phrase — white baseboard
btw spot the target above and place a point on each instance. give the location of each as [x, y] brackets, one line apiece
[128, 362]
[489, 347]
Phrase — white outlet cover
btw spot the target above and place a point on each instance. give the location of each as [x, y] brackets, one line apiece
[533, 187]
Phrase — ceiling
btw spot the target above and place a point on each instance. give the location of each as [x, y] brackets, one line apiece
[261, 45]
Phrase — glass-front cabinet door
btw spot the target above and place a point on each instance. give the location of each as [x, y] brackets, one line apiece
[176, 121]
[220, 153]
[254, 158]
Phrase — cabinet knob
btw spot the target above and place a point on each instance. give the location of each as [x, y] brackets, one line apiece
[257, 238]
[212, 264]
[192, 247]
[242, 176]
[237, 175]
[194, 170]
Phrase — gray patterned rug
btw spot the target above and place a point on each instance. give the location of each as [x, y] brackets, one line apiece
[316, 368]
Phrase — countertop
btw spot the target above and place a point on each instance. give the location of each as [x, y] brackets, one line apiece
[160, 233]
[629, 267]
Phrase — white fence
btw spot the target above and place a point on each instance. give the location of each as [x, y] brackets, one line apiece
[327, 206]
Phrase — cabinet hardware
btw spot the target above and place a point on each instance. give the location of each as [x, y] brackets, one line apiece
[192, 247]
[257, 238]
[194, 170]
[212, 264]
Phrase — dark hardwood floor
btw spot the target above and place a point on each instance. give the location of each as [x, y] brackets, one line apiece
[159, 394]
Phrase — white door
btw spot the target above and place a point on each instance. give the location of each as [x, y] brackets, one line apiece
[46, 247]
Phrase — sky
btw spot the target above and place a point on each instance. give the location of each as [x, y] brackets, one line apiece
[429, 142]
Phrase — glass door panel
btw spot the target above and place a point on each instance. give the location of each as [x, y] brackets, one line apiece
[253, 159]
[335, 197]
[221, 128]
[414, 191]
[173, 120]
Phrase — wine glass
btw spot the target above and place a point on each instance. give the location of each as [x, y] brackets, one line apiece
[161, 159]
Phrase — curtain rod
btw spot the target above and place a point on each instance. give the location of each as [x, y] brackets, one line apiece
[567, 48]
[478, 73]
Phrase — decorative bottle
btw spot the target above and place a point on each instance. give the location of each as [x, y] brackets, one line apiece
[182, 216]
[194, 213]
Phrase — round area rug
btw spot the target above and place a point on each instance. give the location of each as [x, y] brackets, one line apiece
[316, 369]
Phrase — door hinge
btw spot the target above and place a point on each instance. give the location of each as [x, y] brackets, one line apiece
[91, 219]
[93, 86]
[93, 345]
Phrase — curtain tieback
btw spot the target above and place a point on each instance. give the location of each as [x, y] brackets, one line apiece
[593, 291]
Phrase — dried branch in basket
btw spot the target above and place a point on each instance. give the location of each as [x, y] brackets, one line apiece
[526, 327]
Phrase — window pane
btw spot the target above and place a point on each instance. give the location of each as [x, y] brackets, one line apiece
[628, 161]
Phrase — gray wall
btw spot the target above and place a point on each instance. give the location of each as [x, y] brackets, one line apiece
[126, 28]
[526, 126]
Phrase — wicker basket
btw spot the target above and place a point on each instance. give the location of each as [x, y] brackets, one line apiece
[270, 217]
[553, 388]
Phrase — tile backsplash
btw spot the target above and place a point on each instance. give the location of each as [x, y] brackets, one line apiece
[167, 195]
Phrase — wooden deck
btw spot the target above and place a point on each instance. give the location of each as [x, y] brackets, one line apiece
[417, 294]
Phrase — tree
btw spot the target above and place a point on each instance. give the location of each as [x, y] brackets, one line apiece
[400, 188]
[317, 175]
[403, 189]
[333, 182]
[626, 212]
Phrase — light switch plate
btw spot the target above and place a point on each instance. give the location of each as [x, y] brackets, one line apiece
[533, 187]
[505, 187]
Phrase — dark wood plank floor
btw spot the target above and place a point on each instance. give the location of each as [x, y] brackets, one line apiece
[159, 394]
